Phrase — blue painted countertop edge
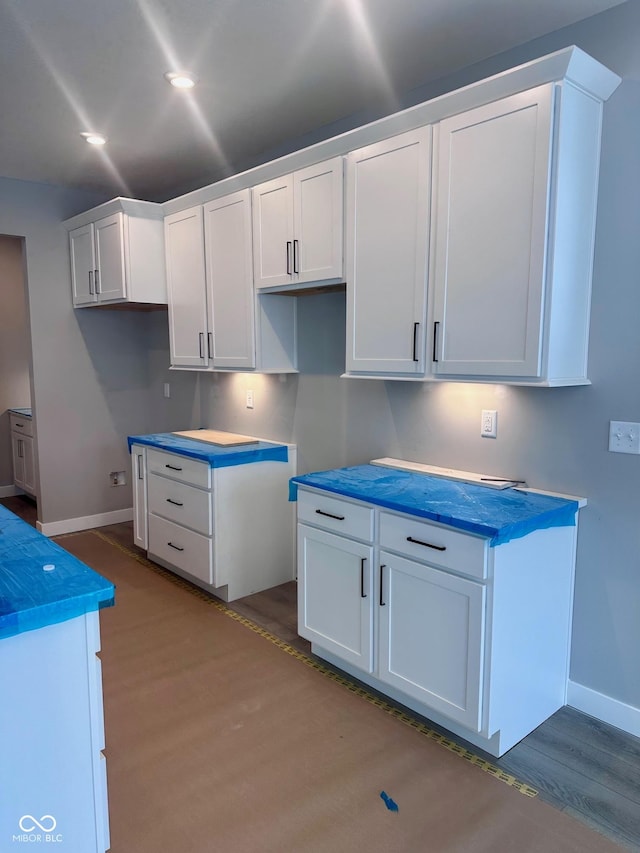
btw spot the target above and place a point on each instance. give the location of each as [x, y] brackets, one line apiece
[216, 456]
[31, 598]
[498, 515]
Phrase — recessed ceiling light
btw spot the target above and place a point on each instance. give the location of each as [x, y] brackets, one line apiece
[94, 138]
[181, 79]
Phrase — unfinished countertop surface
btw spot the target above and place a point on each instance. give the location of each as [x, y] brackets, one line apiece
[497, 514]
[40, 583]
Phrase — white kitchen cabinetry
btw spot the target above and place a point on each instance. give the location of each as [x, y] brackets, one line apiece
[474, 637]
[516, 186]
[117, 254]
[387, 241]
[216, 322]
[298, 228]
[23, 454]
[226, 529]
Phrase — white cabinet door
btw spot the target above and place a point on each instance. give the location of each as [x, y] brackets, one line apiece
[110, 278]
[17, 456]
[318, 222]
[83, 265]
[29, 461]
[493, 176]
[335, 595]
[273, 232]
[298, 227]
[431, 643]
[186, 289]
[387, 239]
[139, 480]
[229, 270]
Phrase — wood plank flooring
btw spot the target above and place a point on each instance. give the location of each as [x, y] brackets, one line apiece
[578, 764]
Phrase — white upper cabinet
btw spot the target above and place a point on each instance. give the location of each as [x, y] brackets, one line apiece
[387, 242]
[117, 254]
[516, 183]
[298, 228]
[229, 274]
[189, 340]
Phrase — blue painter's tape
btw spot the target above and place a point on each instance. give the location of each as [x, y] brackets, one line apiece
[389, 803]
[497, 514]
[216, 456]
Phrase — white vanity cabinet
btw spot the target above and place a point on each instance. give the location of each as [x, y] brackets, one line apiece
[475, 637]
[298, 227]
[387, 242]
[117, 254]
[228, 529]
[516, 186]
[22, 452]
[216, 322]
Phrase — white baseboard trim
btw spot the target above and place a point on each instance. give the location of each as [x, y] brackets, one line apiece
[9, 491]
[604, 708]
[72, 525]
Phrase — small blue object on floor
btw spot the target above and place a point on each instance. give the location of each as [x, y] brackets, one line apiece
[389, 803]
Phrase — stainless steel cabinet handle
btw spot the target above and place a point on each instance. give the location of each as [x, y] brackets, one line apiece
[288, 257]
[382, 602]
[330, 515]
[172, 467]
[96, 276]
[363, 594]
[426, 544]
[177, 547]
[140, 477]
[90, 282]
[175, 503]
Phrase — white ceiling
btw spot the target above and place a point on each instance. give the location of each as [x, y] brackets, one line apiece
[269, 71]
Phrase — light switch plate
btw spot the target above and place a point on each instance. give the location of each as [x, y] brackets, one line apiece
[624, 437]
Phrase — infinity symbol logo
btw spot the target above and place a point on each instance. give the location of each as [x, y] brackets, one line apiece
[28, 823]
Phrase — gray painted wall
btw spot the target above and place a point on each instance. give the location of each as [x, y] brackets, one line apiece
[554, 438]
[15, 348]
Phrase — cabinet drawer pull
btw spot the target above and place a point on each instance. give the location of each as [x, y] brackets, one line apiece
[140, 477]
[175, 503]
[20, 426]
[210, 344]
[173, 467]
[435, 340]
[382, 602]
[96, 277]
[330, 515]
[201, 344]
[177, 547]
[416, 326]
[288, 257]
[426, 544]
[90, 282]
[363, 594]
[295, 256]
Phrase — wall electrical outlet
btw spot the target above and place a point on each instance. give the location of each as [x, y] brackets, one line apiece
[624, 437]
[249, 399]
[118, 478]
[489, 423]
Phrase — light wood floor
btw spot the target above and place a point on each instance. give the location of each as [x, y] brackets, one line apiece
[578, 764]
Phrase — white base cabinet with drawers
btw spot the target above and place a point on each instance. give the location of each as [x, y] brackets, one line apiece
[228, 529]
[22, 452]
[475, 638]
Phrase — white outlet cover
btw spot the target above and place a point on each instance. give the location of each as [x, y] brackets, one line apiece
[489, 423]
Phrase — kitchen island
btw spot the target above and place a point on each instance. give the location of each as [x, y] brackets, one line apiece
[451, 597]
[53, 780]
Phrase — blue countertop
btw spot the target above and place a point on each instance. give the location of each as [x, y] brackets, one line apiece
[26, 413]
[216, 456]
[497, 514]
[32, 597]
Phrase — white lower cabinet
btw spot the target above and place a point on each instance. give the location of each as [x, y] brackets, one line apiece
[23, 453]
[475, 638]
[226, 529]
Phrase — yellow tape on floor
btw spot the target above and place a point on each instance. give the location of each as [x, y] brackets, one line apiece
[320, 667]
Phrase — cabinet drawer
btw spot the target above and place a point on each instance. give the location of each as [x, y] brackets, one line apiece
[336, 514]
[187, 550]
[434, 544]
[181, 503]
[181, 468]
[20, 424]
